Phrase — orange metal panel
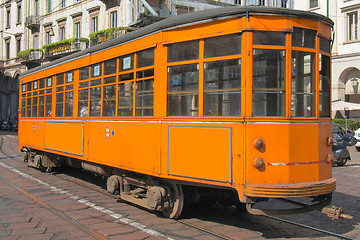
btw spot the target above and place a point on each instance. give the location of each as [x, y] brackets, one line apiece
[200, 152]
[65, 137]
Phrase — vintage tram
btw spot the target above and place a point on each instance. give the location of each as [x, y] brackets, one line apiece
[234, 99]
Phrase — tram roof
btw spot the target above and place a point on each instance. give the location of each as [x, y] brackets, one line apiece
[185, 19]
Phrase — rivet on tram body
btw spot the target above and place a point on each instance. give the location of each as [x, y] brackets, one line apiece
[330, 158]
[330, 141]
[259, 163]
[259, 144]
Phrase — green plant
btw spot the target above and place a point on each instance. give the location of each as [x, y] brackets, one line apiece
[351, 123]
[66, 41]
[109, 32]
[26, 53]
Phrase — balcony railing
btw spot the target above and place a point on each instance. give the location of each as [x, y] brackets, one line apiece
[65, 47]
[107, 34]
[32, 21]
[31, 57]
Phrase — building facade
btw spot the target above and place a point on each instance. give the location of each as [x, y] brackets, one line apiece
[34, 32]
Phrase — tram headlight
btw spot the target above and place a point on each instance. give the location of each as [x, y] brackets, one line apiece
[330, 158]
[259, 144]
[259, 164]
[330, 141]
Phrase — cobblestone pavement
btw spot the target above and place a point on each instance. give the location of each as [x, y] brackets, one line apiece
[38, 205]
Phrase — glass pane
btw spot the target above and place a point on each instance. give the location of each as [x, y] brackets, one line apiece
[110, 66]
[96, 70]
[49, 82]
[269, 38]
[125, 104]
[48, 105]
[269, 83]
[23, 108]
[95, 82]
[28, 107]
[183, 90]
[69, 87]
[302, 84]
[109, 100]
[83, 84]
[126, 63]
[59, 105]
[110, 80]
[23, 87]
[83, 103]
[34, 107]
[145, 73]
[69, 104]
[324, 86]
[35, 85]
[95, 102]
[223, 46]
[222, 88]
[303, 38]
[124, 77]
[60, 79]
[83, 73]
[41, 106]
[42, 83]
[325, 45]
[145, 58]
[28, 86]
[69, 77]
[144, 98]
[183, 51]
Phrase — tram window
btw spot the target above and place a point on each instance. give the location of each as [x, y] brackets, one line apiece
[23, 107]
[127, 76]
[269, 82]
[41, 106]
[110, 66]
[83, 103]
[324, 86]
[49, 90]
[95, 102]
[83, 84]
[144, 98]
[60, 79]
[60, 89]
[34, 106]
[269, 38]
[222, 46]
[126, 63]
[145, 73]
[125, 104]
[28, 107]
[302, 84]
[28, 86]
[303, 38]
[69, 104]
[109, 100]
[145, 58]
[35, 85]
[325, 45]
[69, 87]
[96, 70]
[84, 73]
[59, 104]
[222, 88]
[109, 80]
[183, 51]
[95, 82]
[23, 88]
[48, 105]
[183, 90]
[69, 77]
[41, 83]
[49, 82]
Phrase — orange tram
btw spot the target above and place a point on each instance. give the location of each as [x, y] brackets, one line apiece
[234, 100]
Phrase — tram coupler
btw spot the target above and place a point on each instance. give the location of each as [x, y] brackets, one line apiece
[336, 213]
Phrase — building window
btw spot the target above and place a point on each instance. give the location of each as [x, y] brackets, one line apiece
[284, 3]
[47, 38]
[18, 45]
[36, 8]
[261, 2]
[48, 10]
[18, 14]
[7, 49]
[62, 33]
[313, 3]
[352, 26]
[62, 3]
[94, 24]
[77, 32]
[8, 17]
[113, 19]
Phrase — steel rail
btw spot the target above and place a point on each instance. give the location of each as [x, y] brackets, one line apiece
[192, 225]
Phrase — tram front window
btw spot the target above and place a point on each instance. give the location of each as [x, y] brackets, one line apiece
[269, 82]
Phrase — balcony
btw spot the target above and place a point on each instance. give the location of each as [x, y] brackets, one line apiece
[107, 34]
[65, 47]
[32, 21]
[31, 57]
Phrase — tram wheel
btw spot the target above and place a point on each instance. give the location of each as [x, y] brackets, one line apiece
[175, 202]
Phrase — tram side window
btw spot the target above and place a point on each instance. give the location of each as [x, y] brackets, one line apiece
[269, 82]
[83, 73]
[324, 86]
[269, 38]
[222, 46]
[126, 63]
[109, 99]
[95, 102]
[125, 99]
[41, 106]
[110, 66]
[48, 98]
[183, 51]
[183, 90]
[303, 38]
[64, 94]
[302, 84]
[23, 107]
[144, 98]
[83, 103]
[145, 58]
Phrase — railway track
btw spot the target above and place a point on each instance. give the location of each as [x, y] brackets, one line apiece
[98, 189]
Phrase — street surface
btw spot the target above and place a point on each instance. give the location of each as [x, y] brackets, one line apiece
[39, 205]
